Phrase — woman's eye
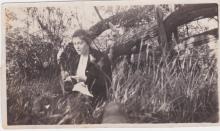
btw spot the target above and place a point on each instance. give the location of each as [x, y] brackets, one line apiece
[76, 43]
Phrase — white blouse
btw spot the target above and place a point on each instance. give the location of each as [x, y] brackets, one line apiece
[81, 69]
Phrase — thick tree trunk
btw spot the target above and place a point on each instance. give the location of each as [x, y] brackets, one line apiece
[185, 14]
[188, 13]
[195, 40]
[125, 18]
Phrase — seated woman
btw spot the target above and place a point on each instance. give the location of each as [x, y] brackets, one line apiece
[88, 67]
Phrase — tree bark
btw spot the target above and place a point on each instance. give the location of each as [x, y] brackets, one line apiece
[196, 40]
[125, 18]
[188, 13]
[185, 14]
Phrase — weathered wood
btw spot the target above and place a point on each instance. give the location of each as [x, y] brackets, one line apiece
[185, 14]
[126, 18]
[190, 13]
[195, 40]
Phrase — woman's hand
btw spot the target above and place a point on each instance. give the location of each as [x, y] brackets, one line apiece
[79, 78]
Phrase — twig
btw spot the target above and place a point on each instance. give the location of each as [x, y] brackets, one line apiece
[65, 118]
[98, 13]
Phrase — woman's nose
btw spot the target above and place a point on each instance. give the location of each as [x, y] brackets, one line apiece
[77, 46]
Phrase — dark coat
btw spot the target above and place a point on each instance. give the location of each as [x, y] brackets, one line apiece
[98, 71]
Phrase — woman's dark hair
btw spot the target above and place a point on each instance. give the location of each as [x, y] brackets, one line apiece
[82, 34]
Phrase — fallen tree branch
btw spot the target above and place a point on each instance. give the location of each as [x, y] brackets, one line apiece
[186, 14]
[195, 40]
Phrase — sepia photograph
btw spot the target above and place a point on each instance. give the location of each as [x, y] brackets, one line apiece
[119, 62]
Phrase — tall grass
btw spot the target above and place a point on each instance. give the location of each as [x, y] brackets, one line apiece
[177, 90]
[41, 101]
[162, 90]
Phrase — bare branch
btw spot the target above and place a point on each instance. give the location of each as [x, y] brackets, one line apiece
[98, 13]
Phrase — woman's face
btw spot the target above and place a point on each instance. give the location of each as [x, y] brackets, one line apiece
[80, 46]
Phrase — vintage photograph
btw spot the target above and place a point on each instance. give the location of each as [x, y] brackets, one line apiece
[74, 63]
